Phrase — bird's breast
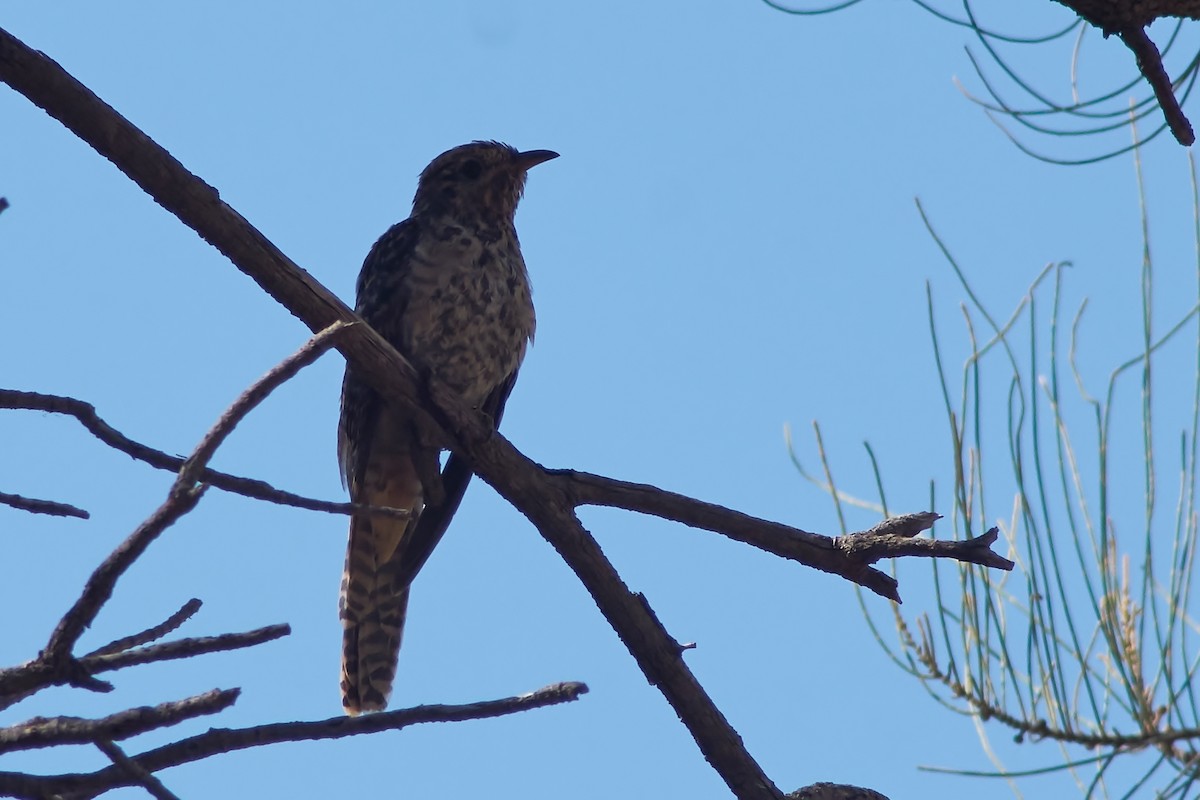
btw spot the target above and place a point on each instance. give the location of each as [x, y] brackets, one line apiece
[471, 310]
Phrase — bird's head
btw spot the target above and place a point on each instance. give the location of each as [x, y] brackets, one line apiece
[480, 180]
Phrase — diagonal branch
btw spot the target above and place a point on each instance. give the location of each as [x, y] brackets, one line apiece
[183, 497]
[1149, 62]
[186, 612]
[99, 587]
[143, 778]
[310, 351]
[1129, 20]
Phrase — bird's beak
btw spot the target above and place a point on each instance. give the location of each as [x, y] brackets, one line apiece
[531, 158]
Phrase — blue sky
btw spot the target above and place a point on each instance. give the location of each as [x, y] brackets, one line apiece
[728, 244]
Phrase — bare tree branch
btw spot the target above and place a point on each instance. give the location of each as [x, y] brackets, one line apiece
[1129, 20]
[1150, 64]
[184, 495]
[848, 556]
[227, 740]
[51, 731]
[186, 612]
[184, 648]
[85, 414]
[313, 349]
[49, 507]
[150, 783]
[17, 683]
[99, 587]
[889, 540]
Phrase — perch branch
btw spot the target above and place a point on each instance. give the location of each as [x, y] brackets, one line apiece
[197, 205]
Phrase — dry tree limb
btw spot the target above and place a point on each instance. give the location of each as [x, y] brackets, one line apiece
[1150, 64]
[310, 351]
[100, 584]
[848, 556]
[182, 498]
[539, 495]
[18, 683]
[48, 507]
[143, 778]
[52, 731]
[226, 740]
[1129, 19]
[85, 414]
[184, 648]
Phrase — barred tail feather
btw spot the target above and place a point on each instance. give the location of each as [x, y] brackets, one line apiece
[372, 609]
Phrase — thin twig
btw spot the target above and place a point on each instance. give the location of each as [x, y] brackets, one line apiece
[186, 612]
[143, 778]
[99, 586]
[313, 349]
[85, 414]
[49, 507]
[184, 648]
[183, 496]
[17, 683]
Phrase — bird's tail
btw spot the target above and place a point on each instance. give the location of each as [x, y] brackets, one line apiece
[373, 605]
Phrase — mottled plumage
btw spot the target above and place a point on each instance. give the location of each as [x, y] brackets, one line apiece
[446, 287]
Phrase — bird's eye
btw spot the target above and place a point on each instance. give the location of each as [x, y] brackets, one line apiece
[471, 169]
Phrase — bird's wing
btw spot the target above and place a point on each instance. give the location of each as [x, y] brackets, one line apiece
[434, 520]
[383, 295]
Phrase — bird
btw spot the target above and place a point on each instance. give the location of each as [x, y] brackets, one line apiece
[448, 288]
